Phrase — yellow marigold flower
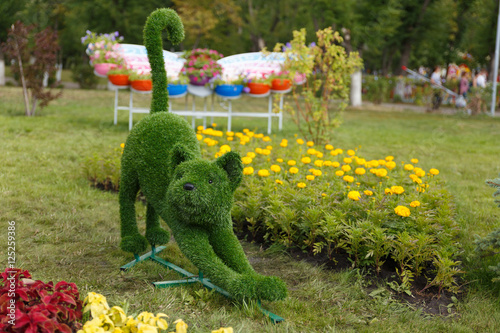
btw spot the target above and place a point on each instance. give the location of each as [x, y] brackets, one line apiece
[266, 152]
[348, 179]
[300, 141]
[275, 168]
[248, 171]
[335, 164]
[311, 151]
[339, 151]
[224, 149]
[301, 185]
[329, 147]
[310, 143]
[414, 160]
[250, 134]
[246, 130]
[415, 203]
[259, 136]
[246, 160]
[327, 163]
[409, 167]
[339, 173]
[382, 162]
[306, 160]
[230, 133]
[360, 161]
[123, 145]
[420, 189]
[245, 138]
[214, 125]
[200, 128]
[263, 173]
[291, 162]
[368, 192]
[284, 144]
[434, 172]
[402, 211]
[351, 152]
[389, 158]
[279, 182]
[269, 147]
[310, 177]
[279, 160]
[243, 143]
[318, 163]
[317, 173]
[319, 154]
[293, 170]
[333, 153]
[347, 160]
[417, 180]
[419, 172]
[360, 171]
[251, 154]
[323, 194]
[381, 172]
[397, 189]
[238, 134]
[258, 150]
[266, 139]
[346, 168]
[199, 137]
[387, 191]
[373, 170]
[354, 195]
[373, 163]
[390, 165]
[230, 138]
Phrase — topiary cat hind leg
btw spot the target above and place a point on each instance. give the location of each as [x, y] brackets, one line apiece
[155, 234]
[132, 240]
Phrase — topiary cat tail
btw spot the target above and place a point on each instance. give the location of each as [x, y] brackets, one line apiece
[159, 20]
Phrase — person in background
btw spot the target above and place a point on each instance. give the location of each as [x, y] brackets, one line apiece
[481, 79]
[464, 84]
[436, 82]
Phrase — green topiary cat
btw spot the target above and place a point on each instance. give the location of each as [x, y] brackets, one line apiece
[162, 158]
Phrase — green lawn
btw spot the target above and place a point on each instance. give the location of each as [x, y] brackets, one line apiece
[66, 230]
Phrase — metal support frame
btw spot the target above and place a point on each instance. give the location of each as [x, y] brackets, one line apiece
[189, 278]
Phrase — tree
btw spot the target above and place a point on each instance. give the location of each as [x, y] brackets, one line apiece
[8, 14]
[35, 55]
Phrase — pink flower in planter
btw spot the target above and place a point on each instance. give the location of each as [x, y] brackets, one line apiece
[202, 74]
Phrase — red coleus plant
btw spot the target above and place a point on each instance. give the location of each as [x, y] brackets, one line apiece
[34, 306]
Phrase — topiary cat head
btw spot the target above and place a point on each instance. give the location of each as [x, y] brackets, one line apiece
[201, 192]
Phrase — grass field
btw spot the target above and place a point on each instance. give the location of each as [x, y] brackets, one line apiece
[66, 230]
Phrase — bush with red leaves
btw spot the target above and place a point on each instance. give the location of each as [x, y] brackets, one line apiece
[34, 306]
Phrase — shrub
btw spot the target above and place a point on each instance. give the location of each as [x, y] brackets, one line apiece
[378, 88]
[104, 171]
[40, 307]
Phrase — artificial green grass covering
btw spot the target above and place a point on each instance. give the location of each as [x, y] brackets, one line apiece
[162, 158]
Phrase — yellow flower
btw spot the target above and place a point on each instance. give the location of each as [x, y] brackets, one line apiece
[199, 137]
[434, 172]
[301, 185]
[348, 179]
[263, 173]
[230, 133]
[266, 152]
[200, 128]
[291, 162]
[373, 164]
[390, 165]
[180, 326]
[146, 318]
[250, 134]
[317, 173]
[279, 182]
[402, 211]
[323, 194]
[382, 162]
[389, 158]
[214, 125]
[388, 191]
[258, 150]
[329, 147]
[266, 139]
[420, 189]
[284, 144]
[419, 172]
[122, 145]
[415, 203]
[224, 330]
[224, 149]
[310, 143]
[347, 160]
[414, 160]
[334, 153]
[335, 164]
[269, 147]
[145, 328]
[300, 141]
[311, 151]
[92, 326]
[318, 163]
[248, 171]
[346, 168]
[381, 172]
[397, 189]
[251, 154]
[360, 171]
[409, 167]
[327, 163]
[368, 192]
[96, 303]
[293, 170]
[310, 177]
[160, 322]
[246, 160]
[339, 151]
[230, 138]
[275, 168]
[306, 160]
[279, 160]
[351, 152]
[117, 315]
[259, 136]
[354, 195]
[339, 173]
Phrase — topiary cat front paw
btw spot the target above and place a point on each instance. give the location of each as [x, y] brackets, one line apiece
[157, 236]
[135, 244]
[271, 288]
[244, 286]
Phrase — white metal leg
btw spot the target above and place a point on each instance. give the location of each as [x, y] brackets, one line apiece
[281, 113]
[270, 112]
[205, 111]
[193, 118]
[130, 114]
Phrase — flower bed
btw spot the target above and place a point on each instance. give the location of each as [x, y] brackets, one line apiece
[328, 200]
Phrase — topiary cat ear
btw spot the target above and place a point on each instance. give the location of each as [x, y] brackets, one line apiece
[231, 163]
[179, 154]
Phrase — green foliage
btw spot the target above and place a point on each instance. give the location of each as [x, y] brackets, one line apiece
[328, 68]
[84, 75]
[378, 88]
[104, 170]
[194, 197]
